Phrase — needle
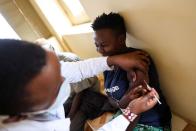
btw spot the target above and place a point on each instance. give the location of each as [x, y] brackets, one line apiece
[149, 88]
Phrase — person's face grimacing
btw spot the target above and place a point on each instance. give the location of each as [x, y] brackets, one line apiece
[108, 42]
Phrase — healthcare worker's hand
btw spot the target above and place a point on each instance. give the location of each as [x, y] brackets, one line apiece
[143, 103]
[130, 61]
[131, 95]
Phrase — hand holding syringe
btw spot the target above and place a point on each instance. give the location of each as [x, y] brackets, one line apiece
[149, 88]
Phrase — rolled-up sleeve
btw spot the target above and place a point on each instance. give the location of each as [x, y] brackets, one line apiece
[77, 71]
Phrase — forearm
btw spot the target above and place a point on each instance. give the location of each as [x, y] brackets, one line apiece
[114, 60]
[77, 71]
[130, 61]
[120, 123]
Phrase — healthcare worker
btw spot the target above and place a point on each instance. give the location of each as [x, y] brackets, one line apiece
[34, 86]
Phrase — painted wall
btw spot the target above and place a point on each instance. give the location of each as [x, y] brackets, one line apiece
[82, 44]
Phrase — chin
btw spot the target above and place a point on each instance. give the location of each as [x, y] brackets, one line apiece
[103, 54]
[106, 54]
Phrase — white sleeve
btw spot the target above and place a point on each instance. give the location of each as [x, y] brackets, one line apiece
[77, 71]
[3, 129]
[120, 123]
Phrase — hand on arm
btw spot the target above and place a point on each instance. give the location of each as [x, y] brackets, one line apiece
[77, 71]
[129, 61]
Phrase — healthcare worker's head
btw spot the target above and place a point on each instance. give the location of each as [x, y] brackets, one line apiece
[30, 78]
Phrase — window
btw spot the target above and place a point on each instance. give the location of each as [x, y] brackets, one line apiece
[74, 11]
[6, 30]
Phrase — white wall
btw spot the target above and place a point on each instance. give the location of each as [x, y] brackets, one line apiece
[82, 44]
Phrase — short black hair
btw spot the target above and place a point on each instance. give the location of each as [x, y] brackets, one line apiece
[20, 62]
[112, 21]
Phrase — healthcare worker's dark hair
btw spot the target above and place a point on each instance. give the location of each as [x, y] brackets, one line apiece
[20, 62]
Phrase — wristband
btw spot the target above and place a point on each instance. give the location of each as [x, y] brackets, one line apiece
[128, 114]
